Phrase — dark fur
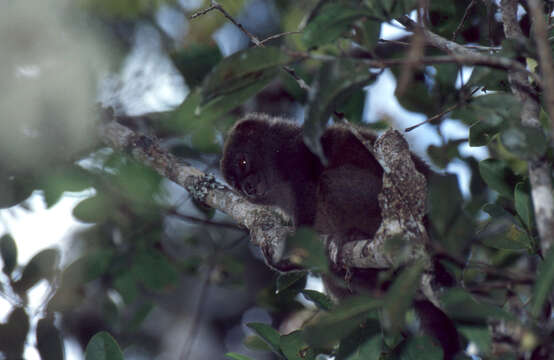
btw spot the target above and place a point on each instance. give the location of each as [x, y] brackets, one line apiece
[340, 198]
[267, 161]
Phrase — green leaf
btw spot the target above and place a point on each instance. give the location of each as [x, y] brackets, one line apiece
[353, 107]
[126, 285]
[524, 205]
[443, 155]
[399, 297]
[321, 300]
[488, 115]
[544, 284]
[195, 61]
[498, 175]
[420, 348]
[14, 333]
[390, 9]
[307, 250]
[235, 356]
[241, 70]
[524, 142]
[294, 347]
[481, 132]
[154, 270]
[103, 346]
[331, 22]
[41, 266]
[137, 183]
[352, 314]
[480, 335]
[362, 344]
[8, 251]
[87, 268]
[370, 31]
[288, 279]
[60, 180]
[96, 209]
[267, 334]
[335, 82]
[504, 232]
[443, 213]
[15, 189]
[49, 340]
[254, 342]
[139, 316]
[460, 305]
[490, 79]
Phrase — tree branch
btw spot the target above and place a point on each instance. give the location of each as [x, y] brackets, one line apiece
[465, 55]
[216, 6]
[539, 169]
[402, 200]
[268, 228]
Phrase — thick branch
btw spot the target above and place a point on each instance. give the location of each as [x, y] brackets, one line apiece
[466, 55]
[539, 169]
[268, 228]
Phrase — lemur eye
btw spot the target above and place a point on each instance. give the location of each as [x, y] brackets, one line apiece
[243, 164]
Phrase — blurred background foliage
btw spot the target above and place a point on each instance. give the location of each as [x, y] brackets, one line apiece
[154, 275]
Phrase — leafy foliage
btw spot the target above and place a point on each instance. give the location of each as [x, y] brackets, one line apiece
[149, 255]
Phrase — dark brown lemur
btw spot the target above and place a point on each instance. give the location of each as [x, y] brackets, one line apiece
[266, 160]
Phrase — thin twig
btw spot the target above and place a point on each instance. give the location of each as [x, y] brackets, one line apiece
[469, 46]
[464, 18]
[466, 55]
[197, 315]
[442, 113]
[202, 12]
[216, 6]
[276, 36]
